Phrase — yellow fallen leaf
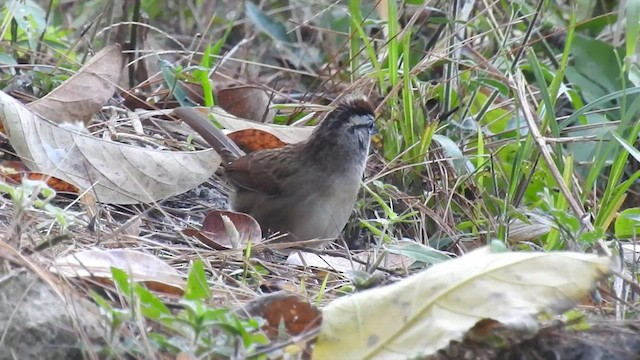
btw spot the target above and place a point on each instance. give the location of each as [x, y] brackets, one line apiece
[423, 313]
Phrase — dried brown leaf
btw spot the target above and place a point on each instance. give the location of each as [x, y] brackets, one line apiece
[118, 173]
[250, 140]
[283, 310]
[218, 234]
[248, 102]
[83, 94]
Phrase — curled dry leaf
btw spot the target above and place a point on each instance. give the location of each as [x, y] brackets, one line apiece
[118, 173]
[97, 263]
[423, 313]
[248, 102]
[250, 140]
[222, 230]
[83, 94]
[288, 134]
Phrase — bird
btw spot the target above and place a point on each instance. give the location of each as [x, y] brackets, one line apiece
[305, 190]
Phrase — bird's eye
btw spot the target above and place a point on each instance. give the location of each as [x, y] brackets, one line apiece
[364, 122]
[372, 126]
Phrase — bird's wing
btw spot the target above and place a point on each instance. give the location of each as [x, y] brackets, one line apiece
[263, 171]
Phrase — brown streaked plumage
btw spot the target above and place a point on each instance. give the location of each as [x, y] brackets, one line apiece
[306, 190]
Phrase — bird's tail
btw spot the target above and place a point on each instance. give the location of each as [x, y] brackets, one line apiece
[220, 142]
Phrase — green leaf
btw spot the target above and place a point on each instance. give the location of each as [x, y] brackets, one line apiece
[150, 305]
[214, 316]
[266, 24]
[193, 308]
[566, 220]
[590, 237]
[492, 84]
[630, 148]
[598, 65]
[197, 287]
[31, 19]
[6, 59]
[122, 281]
[632, 28]
[600, 102]
[102, 303]
[627, 224]
[203, 76]
[453, 152]
[595, 25]
[418, 252]
[171, 80]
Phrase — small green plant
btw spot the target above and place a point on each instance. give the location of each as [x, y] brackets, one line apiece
[384, 227]
[197, 328]
[36, 195]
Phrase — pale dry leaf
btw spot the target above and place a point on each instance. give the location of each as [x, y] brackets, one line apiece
[390, 260]
[339, 264]
[231, 231]
[288, 134]
[141, 267]
[423, 313]
[131, 228]
[83, 94]
[343, 265]
[631, 252]
[118, 173]
[520, 231]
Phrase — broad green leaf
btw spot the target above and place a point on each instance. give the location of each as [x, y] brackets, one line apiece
[453, 152]
[265, 23]
[418, 252]
[6, 59]
[31, 19]
[627, 223]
